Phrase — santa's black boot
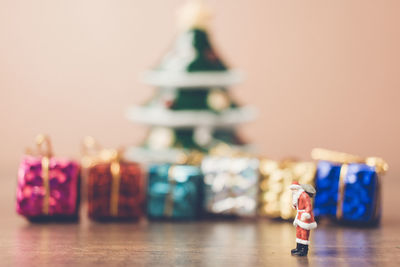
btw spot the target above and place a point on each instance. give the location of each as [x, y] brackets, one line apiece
[295, 249]
[303, 251]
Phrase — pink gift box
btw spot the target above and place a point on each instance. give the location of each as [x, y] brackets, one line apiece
[48, 188]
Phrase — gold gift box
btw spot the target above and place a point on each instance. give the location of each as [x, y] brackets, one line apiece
[275, 196]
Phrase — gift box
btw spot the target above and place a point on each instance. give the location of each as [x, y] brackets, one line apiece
[115, 191]
[174, 192]
[47, 187]
[231, 185]
[348, 187]
[115, 187]
[275, 197]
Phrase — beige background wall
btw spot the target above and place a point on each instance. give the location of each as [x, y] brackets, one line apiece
[321, 73]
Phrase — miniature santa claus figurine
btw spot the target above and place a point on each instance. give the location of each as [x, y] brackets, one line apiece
[304, 220]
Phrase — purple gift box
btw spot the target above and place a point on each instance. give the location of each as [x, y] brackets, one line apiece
[48, 188]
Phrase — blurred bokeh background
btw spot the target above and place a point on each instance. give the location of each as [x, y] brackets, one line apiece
[320, 73]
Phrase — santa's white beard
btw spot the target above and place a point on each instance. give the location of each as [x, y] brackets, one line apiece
[295, 196]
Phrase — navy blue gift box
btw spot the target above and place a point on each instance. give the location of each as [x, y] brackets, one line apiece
[348, 187]
[174, 192]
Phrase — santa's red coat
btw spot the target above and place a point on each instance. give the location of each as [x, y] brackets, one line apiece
[305, 217]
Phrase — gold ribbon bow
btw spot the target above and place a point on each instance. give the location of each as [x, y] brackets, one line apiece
[193, 157]
[224, 149]
[93, 153]
[345, 159]
[44, 150]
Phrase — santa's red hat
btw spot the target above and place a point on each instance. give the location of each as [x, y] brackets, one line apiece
[295, 185]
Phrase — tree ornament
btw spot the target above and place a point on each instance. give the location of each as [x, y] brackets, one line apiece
[203, 136]
[168, 98]
[161, 138]
[218, 100]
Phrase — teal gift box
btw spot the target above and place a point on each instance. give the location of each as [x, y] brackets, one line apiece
[174, 192]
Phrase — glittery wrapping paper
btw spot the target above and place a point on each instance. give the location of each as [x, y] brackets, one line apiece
[174, 192]
[361, 198]
[276, 176]
[130, 199]
[231, 185]
[64, 182]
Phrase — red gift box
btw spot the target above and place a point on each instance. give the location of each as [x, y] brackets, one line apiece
[115, 188]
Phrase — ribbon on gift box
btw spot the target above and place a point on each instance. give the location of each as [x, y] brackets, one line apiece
[44, 150]
[169, 199]
[345, 159]
[193, 157]
[227, 150]
[94, 153]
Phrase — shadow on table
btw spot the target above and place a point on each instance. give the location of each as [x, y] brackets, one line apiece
[348, 242]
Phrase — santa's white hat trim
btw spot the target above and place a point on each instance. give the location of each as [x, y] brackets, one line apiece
[301, 241]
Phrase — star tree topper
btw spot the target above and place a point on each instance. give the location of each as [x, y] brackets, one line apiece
[194, 14]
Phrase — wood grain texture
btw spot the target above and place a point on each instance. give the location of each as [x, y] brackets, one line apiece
[212, 243]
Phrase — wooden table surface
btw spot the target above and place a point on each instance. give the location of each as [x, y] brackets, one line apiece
[207, 243]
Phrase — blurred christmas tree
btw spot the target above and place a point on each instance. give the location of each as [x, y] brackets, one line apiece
[192, 109]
